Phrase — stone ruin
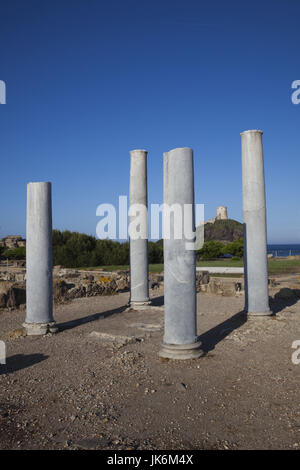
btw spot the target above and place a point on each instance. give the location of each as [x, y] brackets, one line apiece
[180, 313]
[12, 241]
[69, 284]
[221, 215]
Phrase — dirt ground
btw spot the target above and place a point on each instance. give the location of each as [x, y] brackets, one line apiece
[80, 389]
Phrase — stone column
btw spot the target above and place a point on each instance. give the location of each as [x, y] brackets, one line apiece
[138, 216]
[255, 230]
[39, 316]
[180, 336]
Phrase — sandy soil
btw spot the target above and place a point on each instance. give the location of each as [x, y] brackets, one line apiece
[77, 390]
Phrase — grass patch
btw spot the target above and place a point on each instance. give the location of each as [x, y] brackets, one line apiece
[275, 266]
[225, 263]
[110, 268]
[284, 266]
[233, 275]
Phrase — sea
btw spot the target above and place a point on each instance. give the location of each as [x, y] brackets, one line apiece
[283, 250]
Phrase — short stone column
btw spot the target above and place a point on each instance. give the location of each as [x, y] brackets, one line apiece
[39, 316]
[138, 217]
[180, 336]
[255, 230]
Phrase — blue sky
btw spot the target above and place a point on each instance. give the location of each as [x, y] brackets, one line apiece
[89, 80]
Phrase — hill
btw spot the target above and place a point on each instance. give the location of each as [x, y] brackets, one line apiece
[225, 231]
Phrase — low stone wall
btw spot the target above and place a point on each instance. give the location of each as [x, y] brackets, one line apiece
[223, 286]
[12, 275]
[70, 284]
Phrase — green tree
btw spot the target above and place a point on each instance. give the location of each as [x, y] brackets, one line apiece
[235, 248]
[155, 252]
[211, 250]
[73, 250]
[15, 253]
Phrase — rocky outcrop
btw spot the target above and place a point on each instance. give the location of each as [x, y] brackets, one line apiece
[225, 231]
[13, 241]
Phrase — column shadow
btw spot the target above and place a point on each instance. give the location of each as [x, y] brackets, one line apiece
[215, 335]
[90, 318]
[157, 301]
[21, 361]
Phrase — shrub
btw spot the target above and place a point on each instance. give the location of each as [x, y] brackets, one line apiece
[15, 253]
[235, 248]
[211, 250]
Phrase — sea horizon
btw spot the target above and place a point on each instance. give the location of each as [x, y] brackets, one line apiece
[283, 249]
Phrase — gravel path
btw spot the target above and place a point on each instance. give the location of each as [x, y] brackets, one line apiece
[99, 383]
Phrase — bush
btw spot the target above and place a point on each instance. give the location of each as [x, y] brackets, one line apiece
[235, 248]
[15, 253]
[74, 250]
[211, 250]
[155, 252]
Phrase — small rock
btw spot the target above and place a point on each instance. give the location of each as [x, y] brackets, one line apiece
[180, 386]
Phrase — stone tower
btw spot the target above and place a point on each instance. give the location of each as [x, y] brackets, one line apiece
[222, 213]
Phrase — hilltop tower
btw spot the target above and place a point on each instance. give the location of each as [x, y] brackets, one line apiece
[222, 213]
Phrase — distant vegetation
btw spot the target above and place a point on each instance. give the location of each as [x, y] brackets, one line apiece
[74, 250]
[214, 249]
[13, 253]
[78, 250]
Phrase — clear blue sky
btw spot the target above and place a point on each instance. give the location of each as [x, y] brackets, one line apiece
[89, 80]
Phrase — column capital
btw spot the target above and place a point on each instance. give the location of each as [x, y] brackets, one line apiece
[138, 151]
[252, 131]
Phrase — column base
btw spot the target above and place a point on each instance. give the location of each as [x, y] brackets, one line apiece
[40, 328]
[268, 313]
[139, 305]
[181, 351]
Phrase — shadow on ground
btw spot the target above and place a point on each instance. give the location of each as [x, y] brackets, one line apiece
[216, 334]
[96, 316]
[157, 301]
[21, 361]
[284, 298]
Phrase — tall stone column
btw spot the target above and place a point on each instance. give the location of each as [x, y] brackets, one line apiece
[255, 230]
[180, 335]
[39, 316]
[138, 217]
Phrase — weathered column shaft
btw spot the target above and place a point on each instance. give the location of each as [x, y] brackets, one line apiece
[180, 336]
[39, 316]
[138, 198]
[255, 231]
